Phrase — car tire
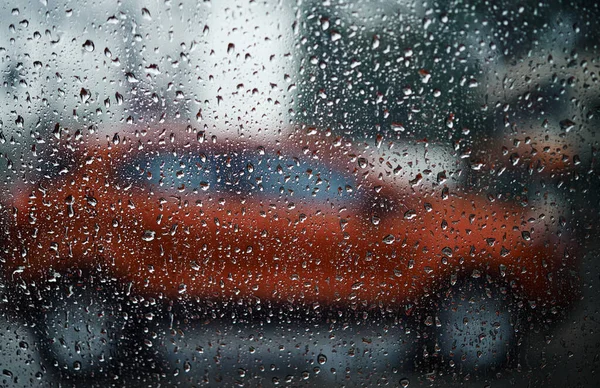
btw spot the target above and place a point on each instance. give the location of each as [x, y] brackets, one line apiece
[477, 326]
[80, 328]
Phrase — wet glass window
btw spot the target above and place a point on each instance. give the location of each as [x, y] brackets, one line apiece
[310, 193]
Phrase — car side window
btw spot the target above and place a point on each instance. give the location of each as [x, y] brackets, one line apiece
[241, 173]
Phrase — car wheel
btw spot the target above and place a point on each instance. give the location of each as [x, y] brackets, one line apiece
[20, 361]
[476, 328]
[80, 329]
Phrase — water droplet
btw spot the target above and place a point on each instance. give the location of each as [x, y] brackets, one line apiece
[88, 46]
[131, 78]
[148, 235]
[321, 359]
[426, 23]
[410, 214]
[119, 98]
[153, 69]
[389, 239]
[450, 121]
[146, 14]
[566, 125]
[425, 76]
[92, 201]
[357, 285]
[398, 127]
[445, 193]
[84, 95]
[20, 121]
[375, 42]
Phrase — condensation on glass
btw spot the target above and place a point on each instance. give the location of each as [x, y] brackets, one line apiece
[310, 193]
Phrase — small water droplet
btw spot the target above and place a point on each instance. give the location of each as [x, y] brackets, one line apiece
[148, 235]
[131, 78]
[410, 214]
[146, 14]
[389, 239]
[398, 127]
[321, 359]
[20, 121]
[425, 76]
[153, 69]
[375, 42]
[566, 125]
[92, 201]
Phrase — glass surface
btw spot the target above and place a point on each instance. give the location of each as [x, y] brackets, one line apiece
[310, 193]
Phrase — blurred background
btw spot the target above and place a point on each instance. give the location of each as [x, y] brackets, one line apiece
[506, 92]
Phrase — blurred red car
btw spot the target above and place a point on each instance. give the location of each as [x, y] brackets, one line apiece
[306, 218]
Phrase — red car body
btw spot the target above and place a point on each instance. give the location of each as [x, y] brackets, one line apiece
[378, 238]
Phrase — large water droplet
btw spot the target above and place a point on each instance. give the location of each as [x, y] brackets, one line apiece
[88, 46]
[84, 95]
[148, 235]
